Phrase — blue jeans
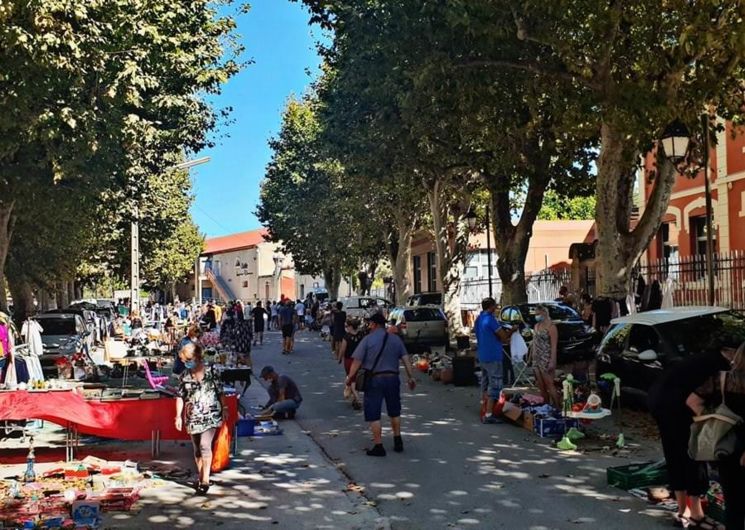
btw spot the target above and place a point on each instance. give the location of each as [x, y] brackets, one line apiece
[288, 405]
[491, 378]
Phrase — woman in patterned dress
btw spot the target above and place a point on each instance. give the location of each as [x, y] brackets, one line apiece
[543, 355]
[200, 408]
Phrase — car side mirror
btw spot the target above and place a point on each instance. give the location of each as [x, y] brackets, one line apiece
[648, 356]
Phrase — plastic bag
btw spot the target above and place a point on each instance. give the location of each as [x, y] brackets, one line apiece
[518, 348]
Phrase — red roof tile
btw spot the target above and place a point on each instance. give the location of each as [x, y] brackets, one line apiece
[239, 241]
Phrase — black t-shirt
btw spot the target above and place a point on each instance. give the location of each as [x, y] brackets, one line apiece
[670, 391]
[352, 342]
[603, 308]
[340, 320]
[258, 313]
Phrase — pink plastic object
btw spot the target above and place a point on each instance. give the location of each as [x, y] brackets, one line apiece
[156, 380]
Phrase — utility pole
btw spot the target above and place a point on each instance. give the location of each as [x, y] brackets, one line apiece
[134, 293]
[709, 214]
[488, 249]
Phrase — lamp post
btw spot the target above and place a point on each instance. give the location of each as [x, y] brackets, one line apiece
[675, 143]
[134, 293]
[472, 220]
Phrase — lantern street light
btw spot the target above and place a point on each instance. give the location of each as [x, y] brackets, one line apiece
[675, 143]
[472, 220]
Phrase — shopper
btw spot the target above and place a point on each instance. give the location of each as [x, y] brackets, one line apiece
[381, 353]
[667, 404]
[338, 327]
[286, 315]
[543, 355]
[199, 407]
[732, 469]
[300, 310]
[489, 336]
[284, 394]
[258, 315]
[349, 344]
[274, 314]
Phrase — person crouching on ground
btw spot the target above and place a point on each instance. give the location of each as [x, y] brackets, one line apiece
[284, 394]
[199, 407]
[348, 346]
[380, 353]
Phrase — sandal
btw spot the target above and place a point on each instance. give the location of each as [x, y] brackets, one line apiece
[681, 521]
[705, 523]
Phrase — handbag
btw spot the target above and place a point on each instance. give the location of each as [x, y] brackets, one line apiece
[713, 436]
[364, 377]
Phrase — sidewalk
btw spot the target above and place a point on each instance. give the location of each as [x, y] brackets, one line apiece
[456, 472]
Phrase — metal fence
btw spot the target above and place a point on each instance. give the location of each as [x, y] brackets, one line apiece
[688, 276]
[541, 286]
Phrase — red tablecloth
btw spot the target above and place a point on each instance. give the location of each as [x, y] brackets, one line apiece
[126, 419]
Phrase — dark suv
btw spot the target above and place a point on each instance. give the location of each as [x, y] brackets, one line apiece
[637, 348]
[64, 334]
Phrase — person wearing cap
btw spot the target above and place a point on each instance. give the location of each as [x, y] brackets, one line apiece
[490, 335]
[667, 402]
[284, 394]
[385, 384]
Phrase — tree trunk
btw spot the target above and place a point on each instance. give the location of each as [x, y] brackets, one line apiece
[64, 296]
[512, 241]
[399, 250]
[451, 246]
[332, 277]
[23, 298]
[70, 291]
[618, 247]
[6, 235]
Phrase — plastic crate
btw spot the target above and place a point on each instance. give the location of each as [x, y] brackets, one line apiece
[637, 475]
[553, 428]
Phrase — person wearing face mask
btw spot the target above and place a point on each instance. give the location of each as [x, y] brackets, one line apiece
[543, 355]
[192, 335]
[200, 408]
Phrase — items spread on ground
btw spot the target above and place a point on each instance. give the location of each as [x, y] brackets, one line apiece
[73, 494]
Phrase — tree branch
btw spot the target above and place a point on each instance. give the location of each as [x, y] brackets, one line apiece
[559, 73]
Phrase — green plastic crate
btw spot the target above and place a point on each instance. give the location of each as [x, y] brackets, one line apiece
[637, 475]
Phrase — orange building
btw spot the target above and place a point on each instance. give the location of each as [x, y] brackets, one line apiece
[683, 233]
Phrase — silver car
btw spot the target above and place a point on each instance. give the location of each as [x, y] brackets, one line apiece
[63, 335]
[421, 327]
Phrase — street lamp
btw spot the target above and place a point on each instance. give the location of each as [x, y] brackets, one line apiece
[472, 220]
[134, 293]
[675, 142]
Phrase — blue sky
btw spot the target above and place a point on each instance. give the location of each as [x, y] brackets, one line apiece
[278, 39]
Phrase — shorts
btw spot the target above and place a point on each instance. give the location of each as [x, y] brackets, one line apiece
[491, 378]
[259, 326]
[288, 331]
[383, 388]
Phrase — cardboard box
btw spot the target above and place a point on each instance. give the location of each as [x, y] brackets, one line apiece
[511, 411]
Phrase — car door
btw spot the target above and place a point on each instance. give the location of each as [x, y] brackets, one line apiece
[642, 357]
[610, 352]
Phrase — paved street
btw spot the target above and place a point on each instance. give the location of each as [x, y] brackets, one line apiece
[455, 472]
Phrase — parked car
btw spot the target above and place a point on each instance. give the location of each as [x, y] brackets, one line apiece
[421, 327]
[419, 299]
[88, 316]
[577, 340]
[63, 334]
[364, 306]
[637, 348]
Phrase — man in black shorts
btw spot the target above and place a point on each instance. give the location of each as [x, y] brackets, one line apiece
[287, 325]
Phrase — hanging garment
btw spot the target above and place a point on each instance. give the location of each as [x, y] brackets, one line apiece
[31, 333]
[667, 294]
[5, 339]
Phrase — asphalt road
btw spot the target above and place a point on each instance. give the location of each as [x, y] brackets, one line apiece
[456, 472]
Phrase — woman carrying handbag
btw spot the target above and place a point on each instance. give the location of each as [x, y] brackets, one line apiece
[730, 390]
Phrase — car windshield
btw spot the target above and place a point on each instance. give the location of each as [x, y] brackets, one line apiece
[555, 311]
[695, 334]
[57, 326]
[422, 314]
[430, 299]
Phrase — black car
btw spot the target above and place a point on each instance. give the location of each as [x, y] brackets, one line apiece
[637, 348]
[64, 334]
[577, 340]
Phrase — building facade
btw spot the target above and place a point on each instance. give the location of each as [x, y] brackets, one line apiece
[683, 230]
